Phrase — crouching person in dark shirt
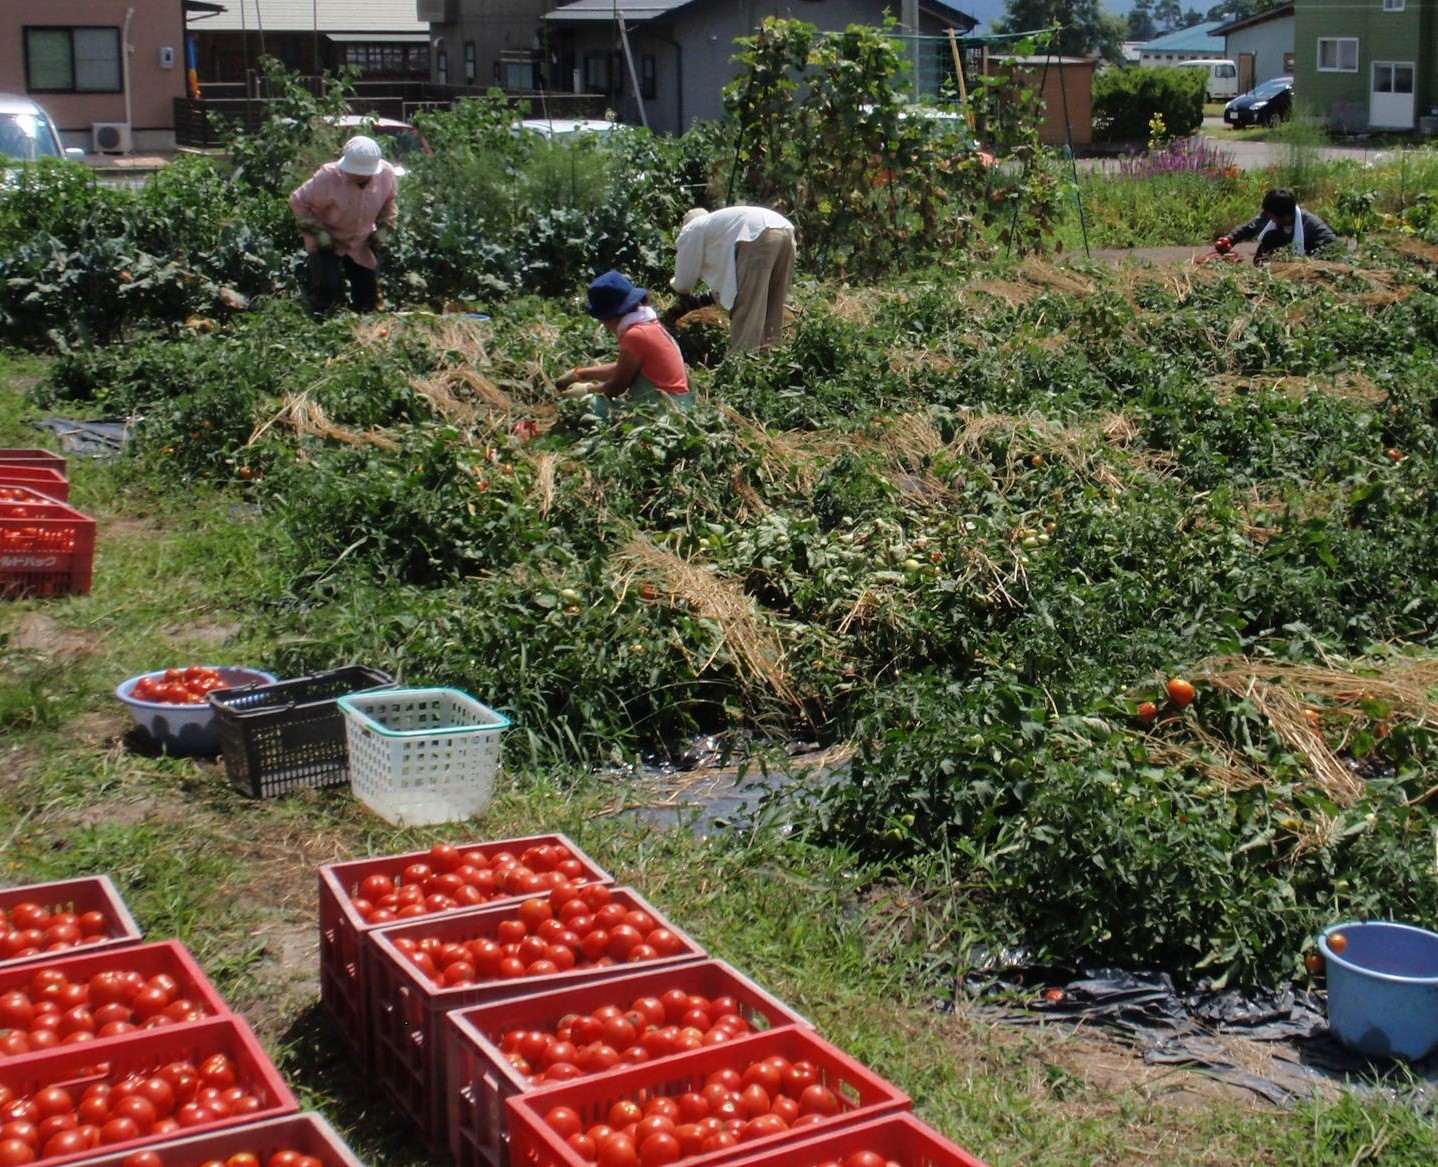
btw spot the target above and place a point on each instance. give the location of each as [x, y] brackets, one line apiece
[1281, 223]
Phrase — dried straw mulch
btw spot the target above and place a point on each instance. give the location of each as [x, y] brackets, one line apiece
[1316, 710]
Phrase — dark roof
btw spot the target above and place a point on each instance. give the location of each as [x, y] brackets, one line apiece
[1257, 18]
[640, 11]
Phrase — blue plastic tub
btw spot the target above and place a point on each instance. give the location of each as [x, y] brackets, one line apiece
[1383, 988]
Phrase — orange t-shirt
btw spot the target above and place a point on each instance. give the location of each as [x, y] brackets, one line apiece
[660, 361]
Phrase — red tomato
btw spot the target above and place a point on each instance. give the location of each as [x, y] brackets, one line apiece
[864, 1159]
[143, 1159]
[754, 1100]
[70, 1141]
[624, 1111]
[120, 1130]
[193, 1114]
[159, 1092]
[564, 1119]
[818, 1099]
[137, 1107]
[659, 1148]
[26, 1132]
[14, 1153]
[53, 1100]
[617, 1150]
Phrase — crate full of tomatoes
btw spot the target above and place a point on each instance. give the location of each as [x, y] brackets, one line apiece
[102, 994]
[46, 547]
[360, 895]
[895, 1140]
[496, 1050]
[762, 1093]
[575, 934]
[40, 920]
[305, 1139]
[126, 1092]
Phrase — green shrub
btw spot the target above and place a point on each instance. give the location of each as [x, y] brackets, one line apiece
[1126, 101]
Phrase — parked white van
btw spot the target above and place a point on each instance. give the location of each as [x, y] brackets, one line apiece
[1222, 76]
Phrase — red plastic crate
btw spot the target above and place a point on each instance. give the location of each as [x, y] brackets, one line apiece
[862, 1095]
[166, 956]
[344, 933]
[110, 1059]
[88, 893]
[46, 479]
[479, 1078]
[900, 1137]
[12, 457]
[46, 548]
[407, 1007]
[306, 1132]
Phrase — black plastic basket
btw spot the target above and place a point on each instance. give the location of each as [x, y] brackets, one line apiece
[290, 735]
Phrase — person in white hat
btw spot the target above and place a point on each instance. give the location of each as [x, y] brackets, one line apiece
[345, 211]
[746, 256]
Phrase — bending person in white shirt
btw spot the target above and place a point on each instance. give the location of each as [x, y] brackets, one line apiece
[746, 257]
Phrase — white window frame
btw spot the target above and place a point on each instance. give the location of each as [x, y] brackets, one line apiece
[1339, 42]
[1392, 68]
[1394, 5]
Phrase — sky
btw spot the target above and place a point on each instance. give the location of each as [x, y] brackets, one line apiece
[988, 11]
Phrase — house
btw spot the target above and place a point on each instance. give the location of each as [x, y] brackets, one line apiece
[1365, 64]
[1198, 43]
[1261, 44]
[660, 63]
[108, 73]
[384, 39]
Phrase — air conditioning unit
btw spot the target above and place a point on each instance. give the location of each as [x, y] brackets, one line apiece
[435, 11]
[111, 137]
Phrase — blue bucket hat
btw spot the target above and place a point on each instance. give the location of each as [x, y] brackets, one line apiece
[612, 294]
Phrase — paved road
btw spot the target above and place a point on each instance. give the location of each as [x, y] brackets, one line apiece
[1251, 155]
[1257, 155]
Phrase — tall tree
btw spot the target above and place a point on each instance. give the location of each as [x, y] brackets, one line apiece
[1140, 21]
[1231, 10]
[1168, 14]
[1084, 28]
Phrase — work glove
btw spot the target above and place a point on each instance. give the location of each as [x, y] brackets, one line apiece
[1223, 245]
[323, 240]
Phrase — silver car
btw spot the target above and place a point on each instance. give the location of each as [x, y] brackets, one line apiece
[27, 132]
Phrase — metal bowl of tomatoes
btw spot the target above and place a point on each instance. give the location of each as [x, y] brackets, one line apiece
[172, 709]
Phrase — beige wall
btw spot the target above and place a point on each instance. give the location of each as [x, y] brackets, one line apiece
[156, 23]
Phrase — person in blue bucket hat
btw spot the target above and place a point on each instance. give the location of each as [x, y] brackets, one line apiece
[650, 368]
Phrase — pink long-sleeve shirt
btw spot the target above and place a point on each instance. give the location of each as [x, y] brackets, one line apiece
[349, 212]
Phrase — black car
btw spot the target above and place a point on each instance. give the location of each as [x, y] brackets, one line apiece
[1266, 104]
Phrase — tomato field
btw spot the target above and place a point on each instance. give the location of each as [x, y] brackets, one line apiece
[1110, 588]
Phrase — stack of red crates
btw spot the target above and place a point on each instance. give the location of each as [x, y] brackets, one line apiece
[196, 1028]
[346, 947]
[47, 548]
[435, 1050]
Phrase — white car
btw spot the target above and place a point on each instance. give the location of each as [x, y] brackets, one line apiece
[27, 132]
[564, 127]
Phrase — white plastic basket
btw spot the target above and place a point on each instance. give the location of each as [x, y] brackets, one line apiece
[421, 756]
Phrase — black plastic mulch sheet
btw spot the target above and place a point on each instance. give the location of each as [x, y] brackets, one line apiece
[1206, 1029]
[95, 439]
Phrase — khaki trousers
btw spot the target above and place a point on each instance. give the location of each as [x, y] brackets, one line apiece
[764, 268]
